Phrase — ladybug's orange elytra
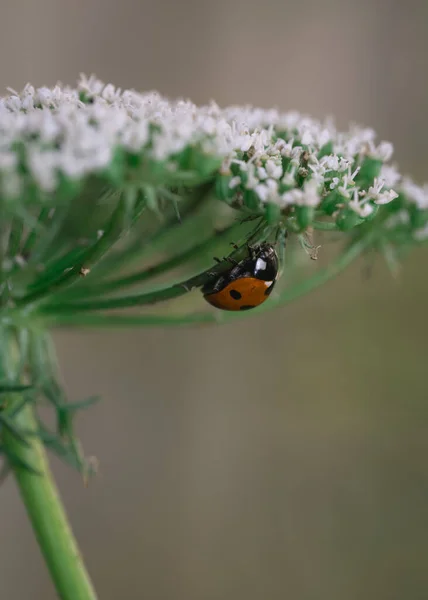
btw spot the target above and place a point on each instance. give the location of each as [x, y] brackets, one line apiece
[246, 284]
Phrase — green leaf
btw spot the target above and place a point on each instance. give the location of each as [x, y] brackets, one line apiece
[14, 430]
[15, 237]
[72, 407]
[18, 462]
[8, 388]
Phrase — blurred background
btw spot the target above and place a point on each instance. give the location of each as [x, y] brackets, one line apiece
[284, 456]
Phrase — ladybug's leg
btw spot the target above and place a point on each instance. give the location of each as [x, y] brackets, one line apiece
[226, 259]
[252, 251]
[281, 240]
[308, 244]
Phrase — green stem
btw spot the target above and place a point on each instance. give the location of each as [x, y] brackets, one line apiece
[196, 205]
[62, 277]
[31, 239]
[175, 261]
[27, 459]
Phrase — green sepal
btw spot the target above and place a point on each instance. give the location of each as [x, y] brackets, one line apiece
[8, 388]
[348, 219]
[370, 169]
[207, 164]
[285, 160]
[330, 202]
[325, 150]
[304, 216]
[251, 200]
[374, 212]
[418, 218]
[133, 160]
[193, 159]
[85, 97]
[397, 205]
[222, 189]
[235, 169]
[272, 213]
[115, 173]
[68, 188]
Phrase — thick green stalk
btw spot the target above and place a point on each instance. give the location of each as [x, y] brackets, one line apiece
[43, 504]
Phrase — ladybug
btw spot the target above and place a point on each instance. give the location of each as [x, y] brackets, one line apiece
[248, 283]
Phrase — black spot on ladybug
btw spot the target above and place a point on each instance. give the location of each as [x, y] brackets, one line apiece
[269, 289]
[247, 307]
[235, 294]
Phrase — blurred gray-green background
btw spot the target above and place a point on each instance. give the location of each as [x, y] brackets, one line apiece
[284, 456]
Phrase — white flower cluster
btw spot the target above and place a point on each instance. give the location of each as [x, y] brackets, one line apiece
[288, 159]
[416, 196]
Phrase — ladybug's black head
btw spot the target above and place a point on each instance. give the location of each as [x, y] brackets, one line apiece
[265, 261]
[264, 249]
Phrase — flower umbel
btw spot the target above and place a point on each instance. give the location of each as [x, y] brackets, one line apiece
[104, 191]
[53, 138]
[89, 176]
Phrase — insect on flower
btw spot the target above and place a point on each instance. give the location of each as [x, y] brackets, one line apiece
[248, 282]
